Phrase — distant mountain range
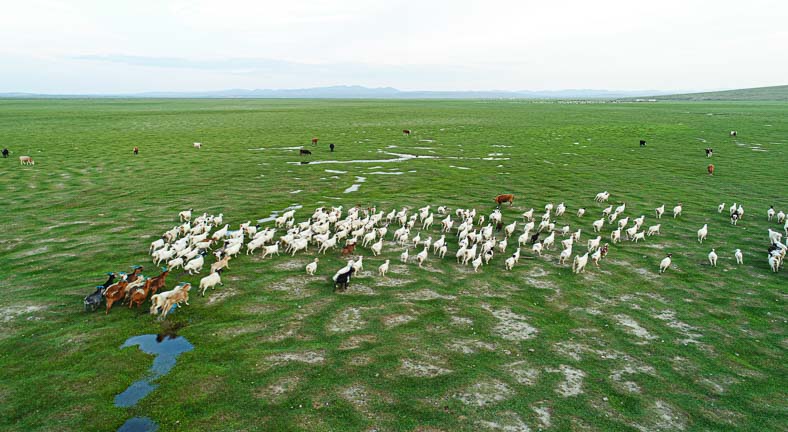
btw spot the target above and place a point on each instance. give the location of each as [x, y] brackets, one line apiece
[779, 93]
[360, 92]
[775, 93]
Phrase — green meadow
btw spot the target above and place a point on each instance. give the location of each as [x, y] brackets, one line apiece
[438, 348]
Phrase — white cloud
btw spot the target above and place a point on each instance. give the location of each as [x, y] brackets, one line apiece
[92, 46]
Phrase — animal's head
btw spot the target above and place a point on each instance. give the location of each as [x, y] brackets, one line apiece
[670, 255]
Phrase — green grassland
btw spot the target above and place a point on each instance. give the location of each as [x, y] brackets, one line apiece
[432, 349]
[773, 93]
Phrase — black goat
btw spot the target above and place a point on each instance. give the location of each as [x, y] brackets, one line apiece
[93, 301]
[343, 280]
[5, 152]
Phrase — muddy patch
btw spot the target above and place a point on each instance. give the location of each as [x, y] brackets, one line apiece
[484, 393]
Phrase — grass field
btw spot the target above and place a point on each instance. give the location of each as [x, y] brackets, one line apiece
[433, 349]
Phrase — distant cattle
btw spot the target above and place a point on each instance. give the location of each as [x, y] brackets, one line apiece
[304, 152]
[710, 168]
[197, 145]
[26, 160]
[734, 133]
[406, 132]
[642, 143]
[136, 150]
[331, 146]
[500, 199]
[314, 140]
[709, 152]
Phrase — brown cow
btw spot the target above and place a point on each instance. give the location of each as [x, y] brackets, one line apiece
[314, 140]
[136, 150]
[347, 250]
[500, 199]
[406, 132]
[710, 168]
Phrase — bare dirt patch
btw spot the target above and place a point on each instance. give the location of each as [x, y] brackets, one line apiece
[522, 372]
[354, 342]
[663, 418]
[9, 313]
[220, 296]
[308, 357]
[460, 321]
[507, 421]
[632, 327]
[469, 346]
[484, 393]
[543, 415]
[292, 264]
[348, 320]
[390, 321]
[630, 369]
[294, 286]
[572, 385]
[275, 392]
[421, 369]
[686, 330]
[511, 326]
[425, 294]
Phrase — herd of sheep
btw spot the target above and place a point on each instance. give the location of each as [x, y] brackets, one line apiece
[478, 239]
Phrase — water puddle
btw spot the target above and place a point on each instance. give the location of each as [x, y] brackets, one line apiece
[166, 348]
[355, 186]
[275, 214]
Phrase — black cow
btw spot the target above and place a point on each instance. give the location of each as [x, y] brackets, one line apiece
[642, 143]
[304, 152]
[331, 146]
[343, 280]
[5, 152]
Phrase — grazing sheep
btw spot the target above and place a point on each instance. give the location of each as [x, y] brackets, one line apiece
[602, 196]
[565, 254]
[770, 213]
[537, 248]
[615, 236]
[713, 258]
[197, 145]
[422, 256]
[677, 211]
[598, 224]
[702, 233]
[26, 160]
[639, 236]
[477, 263]
[659, 211]
[210, 281]
[593, 244]
[549, 240]
[780, 216]
[383, 268]
[195, 265]
[404, 256]
[442, 251]
[311, 268]
[270, 250]
[665, 263]
[654, 229]
[581, 212]
[607, 210]
[579, 263]
[720, 208]
[739, 256]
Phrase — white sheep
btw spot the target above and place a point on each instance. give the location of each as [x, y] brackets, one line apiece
[659, 211]
[422, 256]
[702, 233]
[369, 238]
[720, 208]
[775, 236]
[565, 254]
[581, 212]
[623, 222]
[654, 229]
[529, 215]
[270, 250]
[739, 256]
[568, 242]
[427, 224]
[665, 263]
[488, 256]
[442, 251]
[377, 247]
[438, 244]
[210, 281]
[549, 240]
[713, 258]
[593, 244]
[502, 245]
[404, 256]
[774, 263]
[477, 263]
[602, 196]
[516, 255]
[156, 245]
[780, 216]
[677, 211]
[630, 232]
[740, 211]
[175, 263]
[523, 239]
[598, 224]
[596, 256]
[537, 248]
[311, 268]
[615, 236]
[509, 263]
[358, 265]
[298, 245]
[579, 263]
[195, 265]
[639, 236]
[607, 210]
[383, 268]
[185, 215]
[509, 229]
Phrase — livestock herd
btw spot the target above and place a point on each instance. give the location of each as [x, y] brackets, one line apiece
[477, 238]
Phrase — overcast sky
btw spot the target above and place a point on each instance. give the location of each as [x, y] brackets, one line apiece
[100, 46]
